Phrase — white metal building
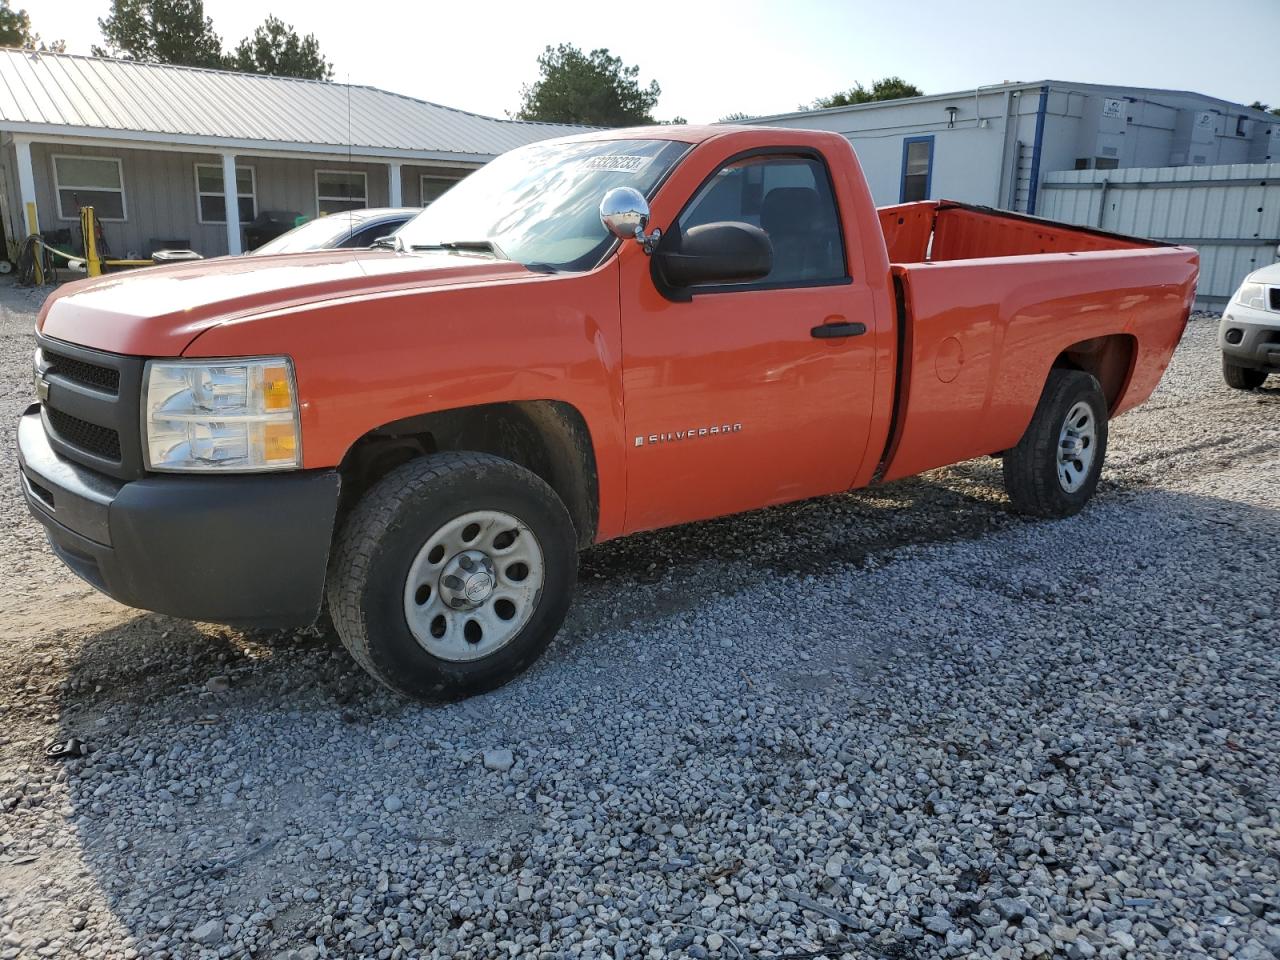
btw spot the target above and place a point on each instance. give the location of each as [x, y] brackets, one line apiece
[995, 145]
[169, 153]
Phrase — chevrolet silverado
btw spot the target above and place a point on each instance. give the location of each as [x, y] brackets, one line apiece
[586, 338]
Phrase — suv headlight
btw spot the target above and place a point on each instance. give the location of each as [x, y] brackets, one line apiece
[1252, 295]
[232, 415]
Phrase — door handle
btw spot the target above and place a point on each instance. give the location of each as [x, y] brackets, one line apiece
[831, 331]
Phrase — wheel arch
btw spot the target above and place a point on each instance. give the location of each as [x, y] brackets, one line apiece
[548, 437]
[1110, 359]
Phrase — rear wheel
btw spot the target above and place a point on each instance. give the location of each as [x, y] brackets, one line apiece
[1242, 378]
[1054, 469]
[452, 574]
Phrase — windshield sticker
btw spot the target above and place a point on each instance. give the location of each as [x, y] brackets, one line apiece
[618, 163]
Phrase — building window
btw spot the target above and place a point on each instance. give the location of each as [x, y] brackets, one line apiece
[1105, 163]
[917, 169]
[1084, 163]
[211, 202]
[433, 187]
[1242, 126]
[340, 190]
[96, 182]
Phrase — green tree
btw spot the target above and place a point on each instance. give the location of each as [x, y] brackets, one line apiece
[734, 117]
[276, 49]
[595, 88]
[1259, 105]
[161, 31]
[15, 31]
[889, 88]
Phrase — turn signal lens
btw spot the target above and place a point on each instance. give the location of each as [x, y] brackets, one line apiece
[277, 388]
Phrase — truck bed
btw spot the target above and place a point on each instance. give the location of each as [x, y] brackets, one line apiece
[936, 230]
[988, 301]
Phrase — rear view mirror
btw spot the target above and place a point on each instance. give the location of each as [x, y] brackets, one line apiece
[724, 252]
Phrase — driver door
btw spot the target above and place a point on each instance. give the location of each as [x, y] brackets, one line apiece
[732, 400]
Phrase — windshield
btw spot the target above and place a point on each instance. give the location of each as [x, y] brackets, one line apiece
[312, 235]
[539, 205]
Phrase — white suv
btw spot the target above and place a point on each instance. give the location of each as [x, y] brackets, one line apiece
[1250, 330]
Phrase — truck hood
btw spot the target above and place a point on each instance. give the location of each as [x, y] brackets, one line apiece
[1268, 274]
[158, 311]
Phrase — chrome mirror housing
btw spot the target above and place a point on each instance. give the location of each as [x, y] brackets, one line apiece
[625, 213]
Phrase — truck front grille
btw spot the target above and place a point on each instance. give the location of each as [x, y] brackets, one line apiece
[91, 402]
[1274, 293]
[99, 441]
[90, 374]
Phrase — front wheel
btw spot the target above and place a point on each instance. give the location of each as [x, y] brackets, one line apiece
[1242, 378]
[452, 574]
[1054, 469]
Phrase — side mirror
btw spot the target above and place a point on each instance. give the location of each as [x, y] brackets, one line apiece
[724, 252]
[625, 213]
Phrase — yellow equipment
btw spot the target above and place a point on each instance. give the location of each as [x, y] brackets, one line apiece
[93, 262]
[36, 248]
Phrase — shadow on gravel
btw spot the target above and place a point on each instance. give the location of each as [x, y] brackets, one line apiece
[151, 657]
[225, 796]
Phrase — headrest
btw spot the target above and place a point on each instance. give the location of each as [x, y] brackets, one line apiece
[789, 210]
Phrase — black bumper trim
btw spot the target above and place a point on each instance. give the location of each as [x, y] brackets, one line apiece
[1258, 346]
[249, 550]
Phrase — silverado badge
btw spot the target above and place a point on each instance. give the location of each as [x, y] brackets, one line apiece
[689, 434]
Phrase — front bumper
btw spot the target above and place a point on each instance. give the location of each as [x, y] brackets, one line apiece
[1250, 338]
[249, 550]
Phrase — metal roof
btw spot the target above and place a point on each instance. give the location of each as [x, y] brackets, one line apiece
[123, 99]
[988, 88]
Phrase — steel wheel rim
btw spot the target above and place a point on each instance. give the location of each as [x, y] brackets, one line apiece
[1077, 446]
[467, 597]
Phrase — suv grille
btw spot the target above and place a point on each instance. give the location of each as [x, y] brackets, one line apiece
[89, 374]
[1274, 293]
[100, 441]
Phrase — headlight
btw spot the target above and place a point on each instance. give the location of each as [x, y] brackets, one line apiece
[1252, 295]
[232, 415]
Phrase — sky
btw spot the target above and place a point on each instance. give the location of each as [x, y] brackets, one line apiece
[754, 56]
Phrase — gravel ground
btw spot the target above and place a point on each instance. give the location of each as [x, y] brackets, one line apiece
[897, 724]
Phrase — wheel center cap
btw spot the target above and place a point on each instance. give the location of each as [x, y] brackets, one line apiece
[468, 580]
[477, 587]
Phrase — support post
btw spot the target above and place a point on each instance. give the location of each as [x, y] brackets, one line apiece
[27, 183]
[231, 198]
[394, 194]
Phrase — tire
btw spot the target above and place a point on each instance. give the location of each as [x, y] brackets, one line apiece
[414, 521]
[1242, 378]
[1042, 480]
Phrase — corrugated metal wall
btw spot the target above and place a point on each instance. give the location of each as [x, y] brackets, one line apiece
[1230, 213]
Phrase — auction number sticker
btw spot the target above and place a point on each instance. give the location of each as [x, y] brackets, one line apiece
[618, 163]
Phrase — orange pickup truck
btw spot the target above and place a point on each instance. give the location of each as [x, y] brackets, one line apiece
[586, 338]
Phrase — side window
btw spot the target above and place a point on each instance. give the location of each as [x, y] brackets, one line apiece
[366, 236]
[790, 199]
